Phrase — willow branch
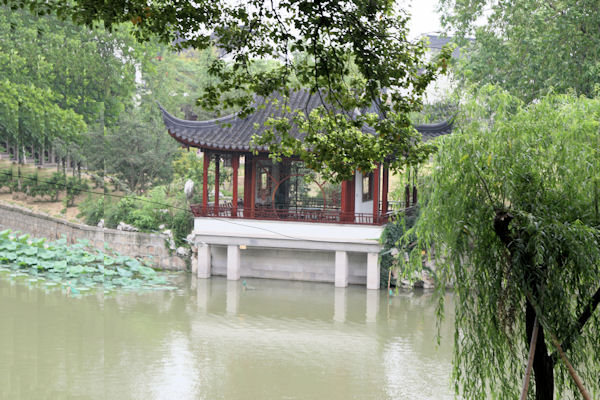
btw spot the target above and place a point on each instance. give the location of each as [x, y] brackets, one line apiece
[581, 321]
[532, 346]
[572, 372]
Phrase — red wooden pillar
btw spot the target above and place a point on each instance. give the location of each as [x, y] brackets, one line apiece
[384, 190]
[347, 206]
[376, 195]
[235, 163]
[253, 187]
[247, 184]
[206, 158]
[344, 205]
[217, 172]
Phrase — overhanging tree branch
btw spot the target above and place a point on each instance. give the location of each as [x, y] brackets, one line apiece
[581, 321]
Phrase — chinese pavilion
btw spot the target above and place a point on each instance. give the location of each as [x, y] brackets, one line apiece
[280, 208]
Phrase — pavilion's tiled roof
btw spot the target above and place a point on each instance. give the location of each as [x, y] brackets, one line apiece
[234, 133]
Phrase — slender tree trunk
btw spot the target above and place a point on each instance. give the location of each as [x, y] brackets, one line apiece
[543, 367]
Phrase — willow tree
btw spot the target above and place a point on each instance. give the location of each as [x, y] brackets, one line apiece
[512, 219]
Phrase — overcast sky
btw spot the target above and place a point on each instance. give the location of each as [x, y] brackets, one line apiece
[424, 18]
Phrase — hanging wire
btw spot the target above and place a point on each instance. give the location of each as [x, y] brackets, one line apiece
[64, 185]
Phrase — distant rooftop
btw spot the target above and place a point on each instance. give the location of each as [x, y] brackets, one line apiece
[436, 43]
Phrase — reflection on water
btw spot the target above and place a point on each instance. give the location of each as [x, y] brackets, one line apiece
[213, 339]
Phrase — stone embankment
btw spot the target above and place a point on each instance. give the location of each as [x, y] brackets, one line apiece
[135, 244]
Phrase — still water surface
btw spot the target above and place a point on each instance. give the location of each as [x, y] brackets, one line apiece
[211, 339]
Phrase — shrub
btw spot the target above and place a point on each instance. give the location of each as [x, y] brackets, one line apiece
[181, 225]
[120, 211]
[390, 238]
[92, 210]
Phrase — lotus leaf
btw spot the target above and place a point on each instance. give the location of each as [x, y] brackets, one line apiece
[145, 271]
[60, 265]
[124, 272]
[10, 246]
[30, 251]
[46, 255]
[108, 261]
[75, 270]
[110, 272]
[87, 259]
[80, 265]
[38, 242]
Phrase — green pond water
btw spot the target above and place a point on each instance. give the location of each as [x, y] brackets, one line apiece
[211, 339]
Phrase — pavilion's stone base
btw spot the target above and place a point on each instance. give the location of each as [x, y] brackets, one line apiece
[288, 264]
[134, 244]
[319, 252]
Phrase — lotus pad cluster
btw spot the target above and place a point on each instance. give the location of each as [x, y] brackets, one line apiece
[78, 266]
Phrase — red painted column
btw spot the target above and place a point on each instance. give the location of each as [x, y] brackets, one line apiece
[217, 172]
[235, 164]
[351, 196]
[376, 195]
[344, 205]
[384, 190]
[247, 184]
[206, 158]
[347, 207]
[253, 188]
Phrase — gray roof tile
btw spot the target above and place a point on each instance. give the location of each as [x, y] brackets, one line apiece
[234, 133]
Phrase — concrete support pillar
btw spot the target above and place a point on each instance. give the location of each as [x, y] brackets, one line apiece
[233, 263]
[372, 270]
[203, 261]
[341, 269]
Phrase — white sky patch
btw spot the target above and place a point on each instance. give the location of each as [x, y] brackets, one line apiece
[424, 17]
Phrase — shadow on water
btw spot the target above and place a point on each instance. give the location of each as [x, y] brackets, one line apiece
[216, 339]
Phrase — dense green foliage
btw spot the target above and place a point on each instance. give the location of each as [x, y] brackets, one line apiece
[56, 78]
[137, 150]
[528, 47]
[73, 89]
[78, 266]
[512, 218]
[353, 53]
[163, 206]
[395, 245]
[90, 72]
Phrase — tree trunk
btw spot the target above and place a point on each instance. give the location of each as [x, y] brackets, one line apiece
[543, 367]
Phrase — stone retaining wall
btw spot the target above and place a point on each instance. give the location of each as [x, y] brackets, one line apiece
[134, 244]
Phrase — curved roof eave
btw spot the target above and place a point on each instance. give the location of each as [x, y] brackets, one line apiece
[232, 133]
